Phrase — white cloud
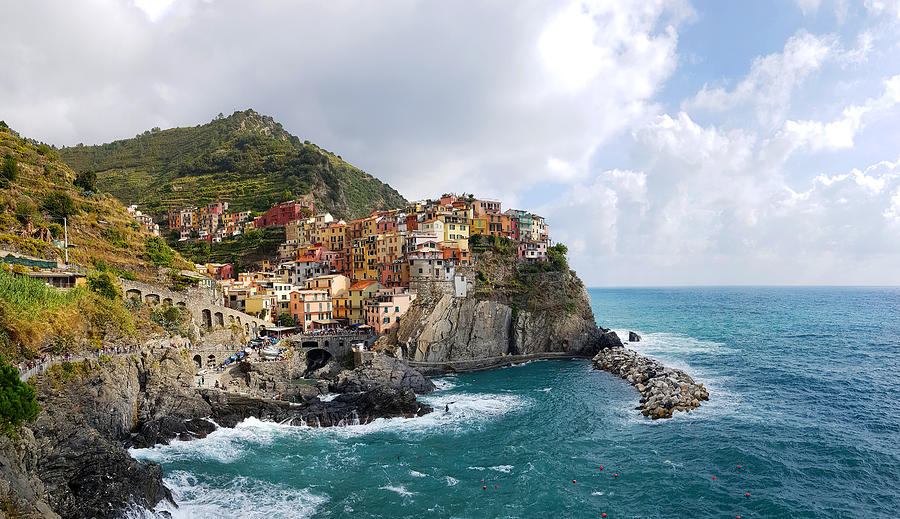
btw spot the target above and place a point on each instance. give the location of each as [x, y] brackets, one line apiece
[772, 80]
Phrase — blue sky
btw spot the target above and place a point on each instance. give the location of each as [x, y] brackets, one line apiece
[667, 141]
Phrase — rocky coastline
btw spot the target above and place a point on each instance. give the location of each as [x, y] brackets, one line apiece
[663, 390]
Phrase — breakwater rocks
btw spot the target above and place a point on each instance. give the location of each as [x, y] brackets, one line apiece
[663, 390]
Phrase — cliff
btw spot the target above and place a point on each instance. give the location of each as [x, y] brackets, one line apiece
[71, 462]
[510, 313]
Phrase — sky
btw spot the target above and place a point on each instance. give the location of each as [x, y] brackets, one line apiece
[667, 142]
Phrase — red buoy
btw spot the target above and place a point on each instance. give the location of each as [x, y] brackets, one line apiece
[747, 494]
[601, 467]
[615, 475]
[482, 481]
[420, 456]
[484, 487]
[714, 477]
[495, 486]
[603, 514]
[739, 466]
[573, 481]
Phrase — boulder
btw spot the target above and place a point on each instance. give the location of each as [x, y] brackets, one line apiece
[633, 337]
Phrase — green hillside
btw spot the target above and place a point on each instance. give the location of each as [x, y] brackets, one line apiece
[246, 159]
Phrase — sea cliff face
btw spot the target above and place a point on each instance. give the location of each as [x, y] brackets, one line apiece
[73, 462]
[507, 316]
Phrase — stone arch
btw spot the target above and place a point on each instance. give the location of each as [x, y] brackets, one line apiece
[199, 360]
[152, 299]
[230, 320]
[133, 293]
[239, 321]
[207, 318]
[316, 358]
[181, 304]
[247, 328]
[167, 301]
[326, 344]
[210, 359]
[220, 320]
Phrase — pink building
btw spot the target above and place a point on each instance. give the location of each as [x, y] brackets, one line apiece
[383, 312]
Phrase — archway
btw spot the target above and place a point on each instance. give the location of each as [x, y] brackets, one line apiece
[199, 360]
[167, 301]
[152, 299]
[220, 319]
[133, 293]
[207, 318]
[180, 304]
[316, 358]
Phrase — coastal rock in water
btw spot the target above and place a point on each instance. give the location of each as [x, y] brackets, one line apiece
[663, 390]
[633, 337]
[382, 371]
[609, 339]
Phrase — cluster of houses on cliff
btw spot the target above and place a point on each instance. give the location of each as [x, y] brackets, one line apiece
[213, 222]
[364, 272]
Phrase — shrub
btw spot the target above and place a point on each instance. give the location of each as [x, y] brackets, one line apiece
[159, 253]
[104, 284]
[557, 256]
[17, 402]
[59, 204]
[86, 180]
[25, 210]
[9, 170]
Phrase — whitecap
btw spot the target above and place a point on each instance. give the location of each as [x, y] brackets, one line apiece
[416, 474]
[502, 468]
[399, 489]
[328, 397]
[237, 497]
[451, 481]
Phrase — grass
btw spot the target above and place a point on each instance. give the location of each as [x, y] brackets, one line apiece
[32, 297]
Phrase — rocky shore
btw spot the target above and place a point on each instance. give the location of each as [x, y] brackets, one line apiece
[663, 390]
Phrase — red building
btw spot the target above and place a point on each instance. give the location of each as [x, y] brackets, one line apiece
[280, 214]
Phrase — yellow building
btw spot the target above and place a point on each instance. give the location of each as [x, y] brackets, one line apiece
[359, 292]
[333, 283]
[478, 226]
[456, 229]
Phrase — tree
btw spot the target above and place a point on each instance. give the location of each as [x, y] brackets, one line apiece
[285, 320]
[557, 256]
[16, 399]
[86, 180]
[103, 283]
[159, 253]
[9, 170]
[59, 204]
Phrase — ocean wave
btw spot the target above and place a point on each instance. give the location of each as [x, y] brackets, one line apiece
[237, 497]
[506, 469]
[399, 489]
[445, 383]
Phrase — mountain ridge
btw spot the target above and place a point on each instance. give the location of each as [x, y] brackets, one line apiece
[246, 159]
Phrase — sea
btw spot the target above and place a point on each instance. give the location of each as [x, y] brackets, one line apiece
[803, 421]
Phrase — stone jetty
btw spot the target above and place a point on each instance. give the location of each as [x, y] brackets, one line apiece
[663, 390]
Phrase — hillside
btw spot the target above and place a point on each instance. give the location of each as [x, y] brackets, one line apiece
[246, 159]
[43, 191]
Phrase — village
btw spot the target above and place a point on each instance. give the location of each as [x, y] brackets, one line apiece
[333, 274]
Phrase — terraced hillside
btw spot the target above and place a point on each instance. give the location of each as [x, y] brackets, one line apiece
[37, 191]
[246, 159]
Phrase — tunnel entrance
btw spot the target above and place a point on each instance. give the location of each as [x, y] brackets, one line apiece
[316, 359]
[198, 360]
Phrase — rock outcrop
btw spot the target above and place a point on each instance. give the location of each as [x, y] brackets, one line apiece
[72, 460]
[382, 371]
[663, 390]
[510, 315]
[633, 337]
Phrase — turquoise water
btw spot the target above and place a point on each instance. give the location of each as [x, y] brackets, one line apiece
[804, 397]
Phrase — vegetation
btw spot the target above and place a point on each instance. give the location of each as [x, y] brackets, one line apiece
[174, 320]
[159, 253]
[285, 320]
[86, 180]
[17, 402]
[246, 159]
[44, 190]
[241, 251]
[103, 284]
